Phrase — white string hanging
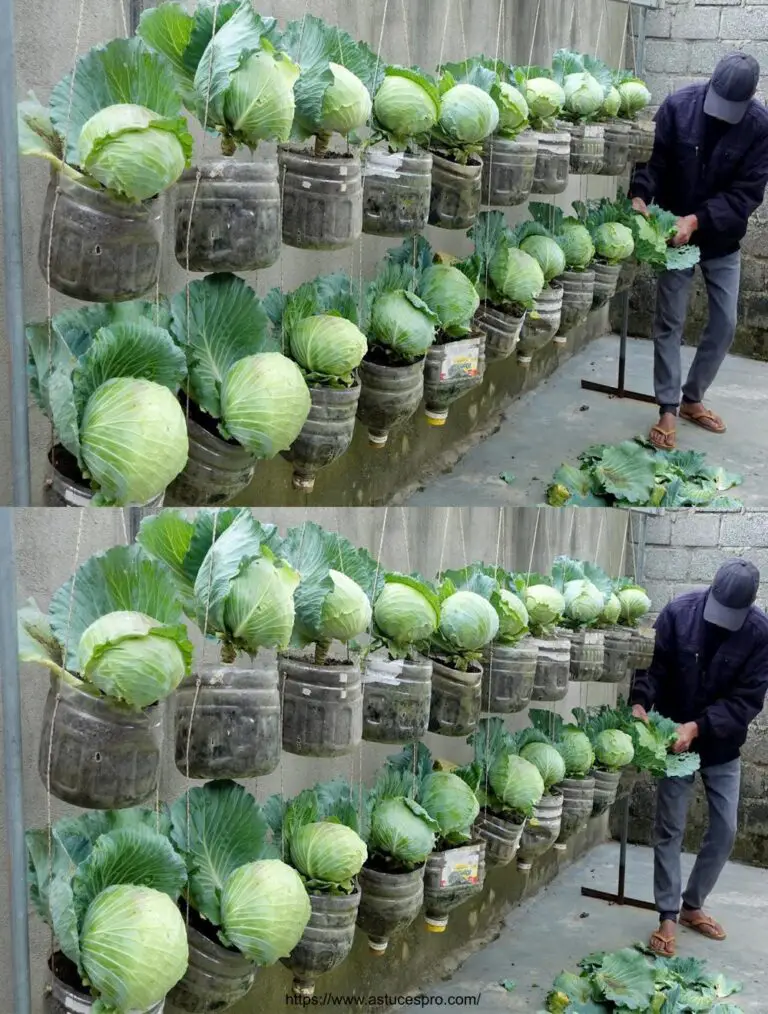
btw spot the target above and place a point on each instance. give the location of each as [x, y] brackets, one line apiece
[445, 32]
[533, 547]
[533, 39]
[404, 517]
[445, 539]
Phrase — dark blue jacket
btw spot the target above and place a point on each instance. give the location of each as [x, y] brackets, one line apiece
[722, 193]
[724, 698]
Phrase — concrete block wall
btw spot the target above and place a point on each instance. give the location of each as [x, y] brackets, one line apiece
[682, 551]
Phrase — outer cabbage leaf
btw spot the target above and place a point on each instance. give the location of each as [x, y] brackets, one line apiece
[627, 472]
[626, 978]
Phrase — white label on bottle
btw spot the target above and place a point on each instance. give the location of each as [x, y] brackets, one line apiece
[461, 359]
[461, 866]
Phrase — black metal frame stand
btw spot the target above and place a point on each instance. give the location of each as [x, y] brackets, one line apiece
[620, 391]
[620, 898]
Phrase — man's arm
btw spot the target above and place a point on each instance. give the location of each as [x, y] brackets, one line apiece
[646, 182]
[728, 211]
[731, 715]
[646, 685]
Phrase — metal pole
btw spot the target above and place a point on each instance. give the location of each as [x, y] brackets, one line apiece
[623, 849]
[13, 771]
[135, 12]
[13, 256]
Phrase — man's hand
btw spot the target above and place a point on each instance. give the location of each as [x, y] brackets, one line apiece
[639, 712]
[685, 229]
[685, 736]
[640, 206]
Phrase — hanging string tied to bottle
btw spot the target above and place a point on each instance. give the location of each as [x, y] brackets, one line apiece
[377, 574]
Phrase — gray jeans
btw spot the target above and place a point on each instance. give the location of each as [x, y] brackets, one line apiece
[722, 277]
[722, 782]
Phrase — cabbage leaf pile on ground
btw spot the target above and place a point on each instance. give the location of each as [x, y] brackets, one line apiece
[634, 979]
[636, 474]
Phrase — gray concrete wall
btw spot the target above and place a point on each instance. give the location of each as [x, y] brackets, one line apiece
[49, 542]
[46, 46]
[684, 41]
[682, 552]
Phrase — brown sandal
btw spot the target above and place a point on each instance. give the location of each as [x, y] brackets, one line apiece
[663, 440]
[705, 925]
[704, 418]
[665, 947]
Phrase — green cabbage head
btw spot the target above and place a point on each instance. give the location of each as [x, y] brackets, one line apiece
[467, 114]
[259, 104]
[403, 615]
[346, 610]
[347, 104]
[545, 98]
[547, 760]
[404, 108]
[614, 749]
[577, 246]
[611, 611]
[513, 110]
[328, 345]
[258, 609]
[265, 402]
[577, 752]
[134, 659]
[583, 601]
[328, 852]
[548, 253]
[451, 296]
[634, 97]
[403, 322]
[133, 946]
[402, 829]
[133, 440]
[612, 102]
[583, 94]
[264, 910]
[513, 617]
[450, 801]
[614, 242]
[635, 604]
[517, 275]
[516, 782]
[468, 621]
[545, 605]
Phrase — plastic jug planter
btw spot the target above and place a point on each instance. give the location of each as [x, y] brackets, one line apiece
[326, 434]
[553, 666]
[618, 642]
[502, 331]
[541, 326]
[456, 192]
[217, 977]
[587, 148]
[616, 148]
[501, 836]
[456, 699]
[389, 395]
[66, 994]
[396, 192]
[553, 162]
[102, 757]
[451, 878]
[578, 800]
[606, 283]
[451, 370]
[229, 727]
[508, 674]
[322, 707]
[234, 211]
[396, 699]
[627, 275]
[326, 941]
[322, 199]
[541, 831]
[101, 250]
[578, 296]
[642, 135]
[389, 903]
[606, 790]
[509, 168]
[66, 486]
[641, 648]
[587, 655]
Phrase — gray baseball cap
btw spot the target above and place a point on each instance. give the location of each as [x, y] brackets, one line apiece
[732, 594]
[732, 87]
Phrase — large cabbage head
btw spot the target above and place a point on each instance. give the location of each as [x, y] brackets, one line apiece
[133, 947]
[328, 852]
[467, 114]
[403, 614]
[134, 659]
[403, 322]
[134, 152]
[450, 801]
[611, 102]
[634, 97]
[346, 610]
[468, 622]
[513, 110]
[583, 602]
[259, 609]
[548, 253]
[401, 829]
[327, 345]
[583, 94]
[517, 275]
[547, 760]
[614, 749]
[265, 402]
[635, 604]
[451, 297]
[264, 910]
[259, 104]
[611, 611]
[516, 782]
[577, 246]
[404, 108]
[577, 752]
[513, 617]
[133, 440]
[545, 98]
[614, 242]
[545, 605]
[347, 104]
